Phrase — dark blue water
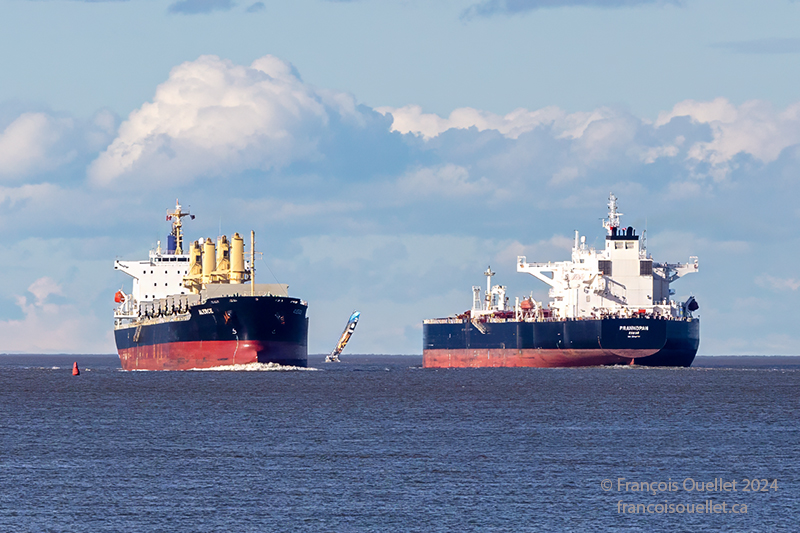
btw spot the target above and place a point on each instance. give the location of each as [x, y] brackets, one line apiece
[381, 445]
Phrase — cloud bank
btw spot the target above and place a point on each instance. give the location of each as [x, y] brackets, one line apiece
[394, 210]
[216, 118]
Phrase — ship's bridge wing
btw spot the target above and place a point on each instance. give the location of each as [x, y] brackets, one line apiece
[128, 267]
[559, 274]
[673, 271]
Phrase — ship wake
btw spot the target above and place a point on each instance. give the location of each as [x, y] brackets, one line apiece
[256, 367]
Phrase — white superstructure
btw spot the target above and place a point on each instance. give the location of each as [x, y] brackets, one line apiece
[163, 273]
[170, 281]
[492, 301]
[620, 280]
[161, 276]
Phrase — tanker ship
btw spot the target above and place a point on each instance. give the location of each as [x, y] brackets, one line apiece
[203, 309]
[607, 307]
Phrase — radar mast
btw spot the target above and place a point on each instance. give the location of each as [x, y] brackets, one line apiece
[176, 217]
[612, 224]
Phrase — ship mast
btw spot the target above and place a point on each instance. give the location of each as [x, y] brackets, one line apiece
[488, 275]
[613, 216]
[176, 217]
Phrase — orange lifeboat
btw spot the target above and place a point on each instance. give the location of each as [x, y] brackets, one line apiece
[119, 297]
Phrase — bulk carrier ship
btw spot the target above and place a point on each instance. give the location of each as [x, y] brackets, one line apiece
[607, 307]
[203, 309]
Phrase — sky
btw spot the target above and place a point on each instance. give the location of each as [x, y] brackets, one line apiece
[387, 151]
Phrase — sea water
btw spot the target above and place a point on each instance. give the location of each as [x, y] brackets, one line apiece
[380, 444]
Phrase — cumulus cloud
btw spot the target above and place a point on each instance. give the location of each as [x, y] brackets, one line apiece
[11, 196]
[753, 128]
[47, 326]
[411, 119]
[714, 134]
[42, 288]
[512, 7]
[395, 211]
[445, 181]
[32, 144]
[215, 118]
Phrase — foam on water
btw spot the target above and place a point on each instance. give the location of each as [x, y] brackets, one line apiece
[256, 367]
[250, 367]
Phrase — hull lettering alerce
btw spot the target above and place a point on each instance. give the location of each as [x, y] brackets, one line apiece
[203, 309]
[607, 307]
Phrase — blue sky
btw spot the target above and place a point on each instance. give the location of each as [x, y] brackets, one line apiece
[386, 151]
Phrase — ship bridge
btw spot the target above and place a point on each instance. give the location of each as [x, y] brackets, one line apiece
[620, 280]
[174, 275]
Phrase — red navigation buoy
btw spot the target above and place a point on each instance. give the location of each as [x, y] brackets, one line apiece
[75, 371]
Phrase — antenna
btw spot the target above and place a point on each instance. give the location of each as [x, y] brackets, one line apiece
[488, 275]
[176, 217]
[644, 238]
[613, 215]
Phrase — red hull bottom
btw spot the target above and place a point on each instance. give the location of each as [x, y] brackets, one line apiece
[536, 358]
[209, 354]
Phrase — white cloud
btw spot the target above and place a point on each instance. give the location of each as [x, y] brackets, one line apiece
[444, 181]
[44, 287]
[754, 128]
[213, 117]
[411, 119]
[30, 144]
[396, 215]
[37, 192]
[48, 327]
[651, 155]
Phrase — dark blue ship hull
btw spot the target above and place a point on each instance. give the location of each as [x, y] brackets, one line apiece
[220, 332]
[609, 341]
